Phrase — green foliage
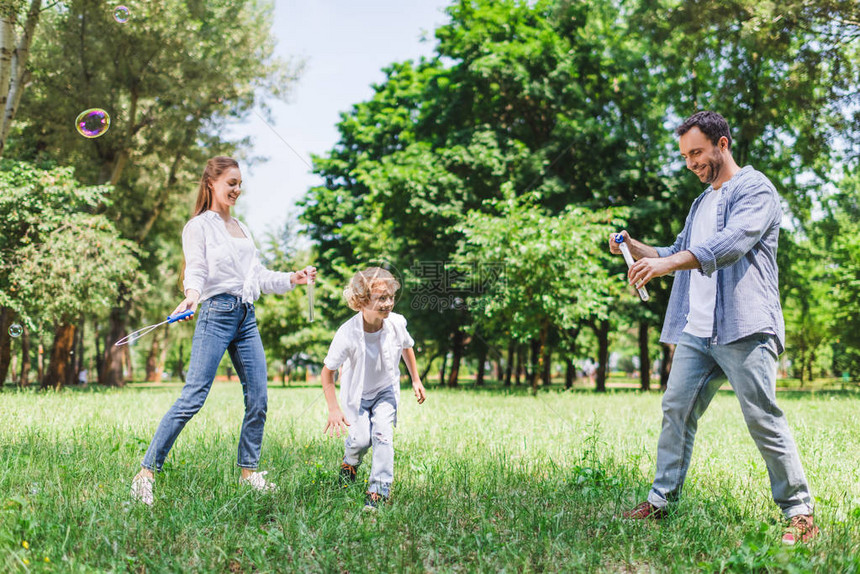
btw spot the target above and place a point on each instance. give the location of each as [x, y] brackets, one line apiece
[59, 259]
[172, 79]
[521, 97]
[553, 267]
[779, 72]
[290, 340]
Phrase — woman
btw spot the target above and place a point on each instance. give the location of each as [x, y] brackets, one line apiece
[224, 276]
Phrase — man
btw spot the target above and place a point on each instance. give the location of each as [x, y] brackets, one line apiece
[725, 318]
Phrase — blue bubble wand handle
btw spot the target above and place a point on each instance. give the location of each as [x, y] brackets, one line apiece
[310, 295]
[132, 337]
[625, 251]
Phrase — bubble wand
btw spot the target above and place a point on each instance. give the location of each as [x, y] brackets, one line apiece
[132, 337]
[625, 251]
[310, 295]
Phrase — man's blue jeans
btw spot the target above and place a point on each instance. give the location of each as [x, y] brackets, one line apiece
[697, 371]
[374, 427]
[224, 323]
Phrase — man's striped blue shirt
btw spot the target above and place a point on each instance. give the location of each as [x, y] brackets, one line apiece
[743, 255]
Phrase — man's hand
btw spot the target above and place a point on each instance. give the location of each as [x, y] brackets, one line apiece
[613, 245]
[647, 269]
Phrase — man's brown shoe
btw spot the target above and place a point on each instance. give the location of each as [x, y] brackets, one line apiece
[645, 511]
[802, 529]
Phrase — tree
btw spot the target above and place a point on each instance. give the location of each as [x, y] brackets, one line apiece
[837, 238]
[14, 56]
[171, 78]
[288, 336]
[521, 95]
[553, 274]
[58, 259]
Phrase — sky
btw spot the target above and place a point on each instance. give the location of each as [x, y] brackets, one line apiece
[344, 44]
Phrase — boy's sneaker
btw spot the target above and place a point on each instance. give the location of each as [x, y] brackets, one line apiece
[141, 489]
[257, 481]
[347, 474]
[802, 529]
[372, 500]
[645, 511]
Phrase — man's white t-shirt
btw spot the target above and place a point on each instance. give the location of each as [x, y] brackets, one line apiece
[375, 374]
[703, 289]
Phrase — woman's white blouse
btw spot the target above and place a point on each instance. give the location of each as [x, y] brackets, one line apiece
[214, 263]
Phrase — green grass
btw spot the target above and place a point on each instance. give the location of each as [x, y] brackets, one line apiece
[484, 482]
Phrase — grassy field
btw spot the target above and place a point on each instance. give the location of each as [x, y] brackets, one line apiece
[485, 481]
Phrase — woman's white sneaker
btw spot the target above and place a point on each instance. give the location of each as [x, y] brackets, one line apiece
[257, 481]
[141, 489]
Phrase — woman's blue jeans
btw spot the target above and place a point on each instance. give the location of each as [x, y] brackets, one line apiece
[224, 323]
[698, 369]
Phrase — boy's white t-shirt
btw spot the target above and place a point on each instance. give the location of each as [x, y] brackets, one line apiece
[703, 289]
[348, 352]
[375, 374]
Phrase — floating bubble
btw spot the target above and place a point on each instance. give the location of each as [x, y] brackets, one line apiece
[15, 330]
[121, 14]
[92, 123]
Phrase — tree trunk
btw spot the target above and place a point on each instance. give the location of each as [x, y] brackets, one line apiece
[454, 376]
[14, 73]
[546, 359]
[534, 359]
[72, 369]
[810, 365]
[79, 352]
[442, 368]
[6, 317]
[99, 358]
[24, 380]
[520, 367]
[429, 366]
[644, 358]
[570, 370]
[60, 365]
[40, 363]
[13, 368]
[128, 364]
[152, 358]
[111, 373]
[666, 365]
[601, 330]
[509, 367]
[569, 373]
[162, 358]
[179, 369]
[482, 358]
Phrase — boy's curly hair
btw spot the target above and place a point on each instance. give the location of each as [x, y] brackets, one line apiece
[362, 284]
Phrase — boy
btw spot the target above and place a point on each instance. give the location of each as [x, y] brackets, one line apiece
[369, 347]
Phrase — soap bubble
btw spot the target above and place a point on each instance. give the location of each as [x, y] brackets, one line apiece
[92, 123]
[15, 330]
[121, 14]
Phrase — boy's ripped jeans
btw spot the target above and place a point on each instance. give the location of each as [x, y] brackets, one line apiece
[374, 427]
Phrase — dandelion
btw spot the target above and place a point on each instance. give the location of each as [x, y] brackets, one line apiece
[47, 559]
[26, 562]
[25, 544]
